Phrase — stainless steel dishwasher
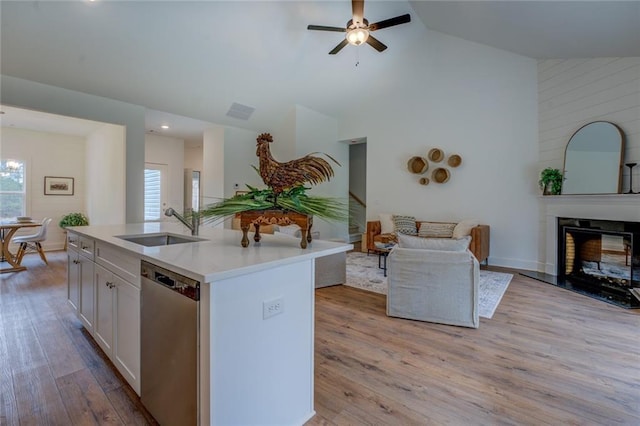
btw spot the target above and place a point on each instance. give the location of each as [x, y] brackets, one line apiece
[169, 330]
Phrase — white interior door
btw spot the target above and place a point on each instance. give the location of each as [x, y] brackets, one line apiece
[155, 191]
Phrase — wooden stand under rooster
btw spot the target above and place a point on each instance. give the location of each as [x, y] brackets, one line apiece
[285, 201]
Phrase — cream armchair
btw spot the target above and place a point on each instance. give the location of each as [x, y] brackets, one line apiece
[433, 285]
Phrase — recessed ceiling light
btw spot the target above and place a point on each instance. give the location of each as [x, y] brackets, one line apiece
[164, 126]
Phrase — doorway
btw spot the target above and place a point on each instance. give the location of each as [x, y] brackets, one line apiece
[357, 188]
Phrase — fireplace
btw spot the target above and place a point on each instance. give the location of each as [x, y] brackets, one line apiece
[600, 258]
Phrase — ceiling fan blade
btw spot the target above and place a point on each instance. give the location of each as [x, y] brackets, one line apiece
[375, 43]
[357, 6]
[323, 28]
[402, 19]
[339, 47]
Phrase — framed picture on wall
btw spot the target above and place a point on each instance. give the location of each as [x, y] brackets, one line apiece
[54, 185]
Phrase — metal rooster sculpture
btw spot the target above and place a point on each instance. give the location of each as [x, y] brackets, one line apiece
[281, 176]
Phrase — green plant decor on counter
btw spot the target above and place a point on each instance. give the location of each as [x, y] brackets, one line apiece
[294, 199]
[550, 181]
[73, 219]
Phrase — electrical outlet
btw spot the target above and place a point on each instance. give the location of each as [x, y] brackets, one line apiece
[272, 307]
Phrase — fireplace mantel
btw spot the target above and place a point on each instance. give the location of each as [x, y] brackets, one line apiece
[621, 207]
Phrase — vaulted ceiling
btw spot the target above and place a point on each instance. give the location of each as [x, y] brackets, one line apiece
[194, 59]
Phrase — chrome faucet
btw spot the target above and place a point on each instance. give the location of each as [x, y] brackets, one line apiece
[194, 226]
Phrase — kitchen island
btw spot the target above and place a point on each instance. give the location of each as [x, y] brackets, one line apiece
[255, 314]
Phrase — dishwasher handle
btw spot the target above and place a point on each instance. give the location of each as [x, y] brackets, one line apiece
[186, 286]
[161, 278]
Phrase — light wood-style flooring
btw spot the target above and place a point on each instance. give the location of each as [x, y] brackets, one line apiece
[548, 356]
[51, 370]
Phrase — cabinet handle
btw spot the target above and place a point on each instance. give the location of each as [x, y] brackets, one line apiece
[76, 261]
[109, 284]
[83, 247]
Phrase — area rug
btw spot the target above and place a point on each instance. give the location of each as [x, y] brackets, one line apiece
[363, 273]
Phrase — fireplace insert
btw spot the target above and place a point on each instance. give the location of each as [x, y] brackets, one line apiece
[600, 259]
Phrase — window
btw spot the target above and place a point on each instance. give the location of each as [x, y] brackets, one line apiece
[195, 191]
[13, 197]
[154, 191]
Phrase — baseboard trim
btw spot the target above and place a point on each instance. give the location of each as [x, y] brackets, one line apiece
[506, 262]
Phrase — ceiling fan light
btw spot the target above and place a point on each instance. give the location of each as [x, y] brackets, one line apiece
[357, 36]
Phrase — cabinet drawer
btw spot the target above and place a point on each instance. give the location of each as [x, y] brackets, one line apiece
[73, 240]
[118, 261]
[87, 246]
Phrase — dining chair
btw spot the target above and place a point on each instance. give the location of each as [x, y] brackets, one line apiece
[31, 243]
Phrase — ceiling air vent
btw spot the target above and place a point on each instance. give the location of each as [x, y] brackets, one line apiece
[242, 112]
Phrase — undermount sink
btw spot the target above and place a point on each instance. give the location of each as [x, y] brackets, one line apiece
[154, 240]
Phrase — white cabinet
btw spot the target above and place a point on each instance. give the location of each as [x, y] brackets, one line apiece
[73, 279]
[126, 350]
[117, 324]
[87, 293]
[103, 331]
[87, 283]
[80, 279]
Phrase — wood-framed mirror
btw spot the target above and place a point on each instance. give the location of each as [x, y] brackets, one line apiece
[593, 160]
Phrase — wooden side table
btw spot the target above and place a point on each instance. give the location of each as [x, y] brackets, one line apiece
[275, 217]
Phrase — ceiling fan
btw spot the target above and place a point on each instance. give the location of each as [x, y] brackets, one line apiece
[359, 30]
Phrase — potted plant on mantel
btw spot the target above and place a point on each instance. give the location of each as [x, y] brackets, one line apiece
[284, 201]
[550, 181]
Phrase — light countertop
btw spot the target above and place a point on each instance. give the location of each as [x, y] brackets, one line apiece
[219, 256]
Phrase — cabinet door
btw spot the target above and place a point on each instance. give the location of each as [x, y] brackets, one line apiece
[127, 332]
[87, 293]
[73, 279]
[104, 309]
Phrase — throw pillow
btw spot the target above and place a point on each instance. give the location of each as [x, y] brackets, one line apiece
[444, 244]
[464, 228]
[405, 224]
[436, 230]
[386, 223]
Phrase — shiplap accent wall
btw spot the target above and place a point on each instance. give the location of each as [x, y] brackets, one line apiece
[574, 92]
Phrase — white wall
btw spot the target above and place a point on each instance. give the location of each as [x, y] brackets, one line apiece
[574, 92]
[65, 156]
[193, 158]
[213, 166]
[468, 99]
[169, 151]
[239, 156]
[316, 132]
[283, 147]
[41, 97]
[104, 163]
